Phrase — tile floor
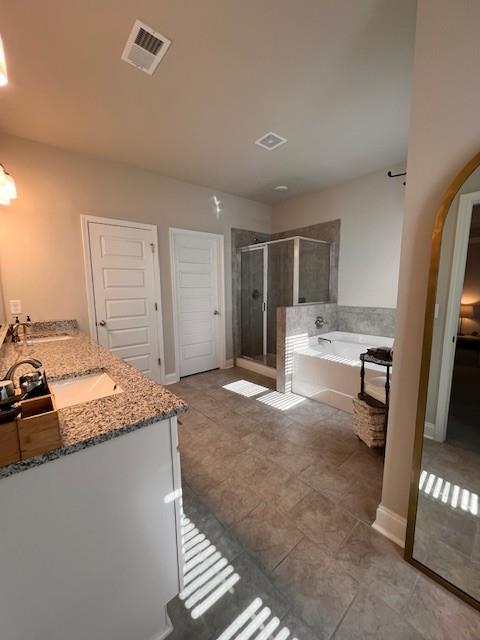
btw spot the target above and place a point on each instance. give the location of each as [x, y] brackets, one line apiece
[288, 496]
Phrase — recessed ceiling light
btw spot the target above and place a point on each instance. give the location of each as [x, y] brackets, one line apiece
[270, 141]
[281, 187]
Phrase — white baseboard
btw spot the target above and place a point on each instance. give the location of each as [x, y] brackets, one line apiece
[391, 525]
[166, 632]
[256, 367]
[228, 364]
[171, 378]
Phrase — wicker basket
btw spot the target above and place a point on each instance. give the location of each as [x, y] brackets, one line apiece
[369, 423]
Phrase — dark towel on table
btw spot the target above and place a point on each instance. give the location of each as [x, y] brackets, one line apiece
[381, 353]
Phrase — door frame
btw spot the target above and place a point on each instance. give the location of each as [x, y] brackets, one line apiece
[457, 276]
[85, 220]
[221, 337]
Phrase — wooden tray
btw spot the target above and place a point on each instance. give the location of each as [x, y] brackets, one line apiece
[38, 426]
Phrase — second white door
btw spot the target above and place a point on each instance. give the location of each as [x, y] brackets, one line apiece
[196, 262]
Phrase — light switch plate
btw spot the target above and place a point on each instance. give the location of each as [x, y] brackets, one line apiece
[15, 307]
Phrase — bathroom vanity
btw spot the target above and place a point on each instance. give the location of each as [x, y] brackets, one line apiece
[89, 532]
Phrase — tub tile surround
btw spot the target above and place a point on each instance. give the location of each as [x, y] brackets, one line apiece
[312, 555]
[296, 324]
[373, 321]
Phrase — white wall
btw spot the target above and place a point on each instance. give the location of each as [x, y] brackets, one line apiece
[444, 135]
[41, 258]
[371, 213]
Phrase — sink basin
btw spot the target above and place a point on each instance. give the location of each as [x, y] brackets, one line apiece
[83, 389]
[38, 340]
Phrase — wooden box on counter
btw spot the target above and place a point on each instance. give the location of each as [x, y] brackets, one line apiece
[35, 431]
[38, 426]
[9, 444]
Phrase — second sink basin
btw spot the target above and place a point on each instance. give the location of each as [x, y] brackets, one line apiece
[83, 389]
[33, 340]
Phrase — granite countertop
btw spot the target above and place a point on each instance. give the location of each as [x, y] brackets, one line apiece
[142, 402]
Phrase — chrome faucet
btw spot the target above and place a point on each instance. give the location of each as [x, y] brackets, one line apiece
[36, 364]
[320, 322]
[14, 329]
[320, 340]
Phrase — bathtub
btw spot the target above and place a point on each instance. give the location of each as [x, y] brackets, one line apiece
[330, 373]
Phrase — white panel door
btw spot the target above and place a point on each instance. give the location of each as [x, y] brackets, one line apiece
[126, 308]
[196, 265]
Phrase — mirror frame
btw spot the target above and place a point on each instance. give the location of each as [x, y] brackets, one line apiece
[440, 219]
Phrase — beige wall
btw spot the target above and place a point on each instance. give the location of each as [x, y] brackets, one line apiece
[371, 213]
[2, 305]
[40, 239]
[444, 135]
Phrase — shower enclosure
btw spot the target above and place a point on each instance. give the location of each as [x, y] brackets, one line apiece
[278, 273]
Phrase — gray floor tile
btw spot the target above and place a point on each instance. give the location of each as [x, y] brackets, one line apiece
[327, 479]
[222, 538]
[362, 500]
[267, 534]
[230, 500]
[375, 561]
[297, 628]
[322, 521]
[369, 618]
[330, 572]
[319, 592]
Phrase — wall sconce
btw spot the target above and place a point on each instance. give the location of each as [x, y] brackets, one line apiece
[8, 191]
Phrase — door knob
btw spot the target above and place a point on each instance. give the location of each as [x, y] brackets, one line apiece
[102, 323]
[216, 312]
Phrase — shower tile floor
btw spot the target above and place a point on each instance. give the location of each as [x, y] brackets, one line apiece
[286, 493]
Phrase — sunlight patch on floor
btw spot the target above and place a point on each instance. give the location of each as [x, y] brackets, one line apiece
[208, 576]
[281, 401]
[448, 493]
[253, 619]
[245, 388]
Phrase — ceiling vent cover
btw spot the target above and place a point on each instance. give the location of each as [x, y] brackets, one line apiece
[270, 141]
[145, 47]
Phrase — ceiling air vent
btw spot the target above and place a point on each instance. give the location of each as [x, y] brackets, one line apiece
[270, 141]
[145, 47]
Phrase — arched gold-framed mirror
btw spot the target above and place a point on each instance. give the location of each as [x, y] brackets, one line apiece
[443, 529]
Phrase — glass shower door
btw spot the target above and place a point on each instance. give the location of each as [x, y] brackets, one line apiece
[280, 290]
[252, 303]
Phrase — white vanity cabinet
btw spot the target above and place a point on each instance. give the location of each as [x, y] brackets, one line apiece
[90, 542]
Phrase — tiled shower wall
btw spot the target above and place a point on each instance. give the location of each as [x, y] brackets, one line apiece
[328, 231]
[296, 324]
